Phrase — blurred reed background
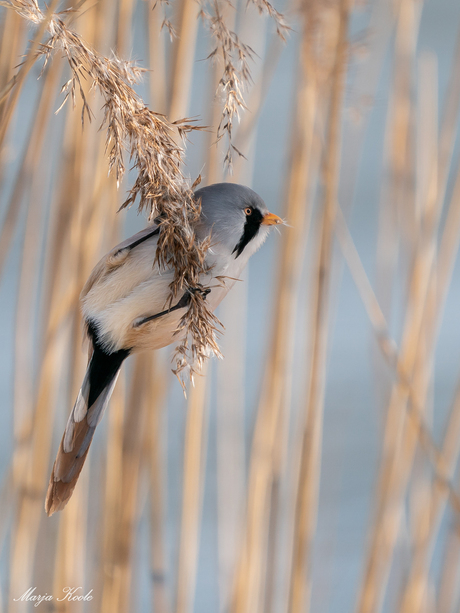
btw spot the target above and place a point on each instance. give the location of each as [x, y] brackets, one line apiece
[315, 468]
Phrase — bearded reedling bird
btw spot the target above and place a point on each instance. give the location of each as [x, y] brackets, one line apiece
[126, 308]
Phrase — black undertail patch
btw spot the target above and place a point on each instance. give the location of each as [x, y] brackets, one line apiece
[103, 365]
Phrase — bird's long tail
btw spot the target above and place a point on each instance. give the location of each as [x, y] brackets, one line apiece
[93, 397]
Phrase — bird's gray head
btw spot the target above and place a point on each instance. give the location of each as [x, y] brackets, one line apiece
[236, 217]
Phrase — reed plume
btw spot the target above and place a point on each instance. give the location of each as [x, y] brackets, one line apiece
[160, 187]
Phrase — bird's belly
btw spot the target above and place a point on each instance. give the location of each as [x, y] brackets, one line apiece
[118, 323]
[155, 334]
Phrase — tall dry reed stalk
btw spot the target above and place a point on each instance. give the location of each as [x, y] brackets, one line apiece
[265, 471]
[309, 475]
[421, 320]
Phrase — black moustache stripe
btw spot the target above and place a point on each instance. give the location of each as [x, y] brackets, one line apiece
[251, 227]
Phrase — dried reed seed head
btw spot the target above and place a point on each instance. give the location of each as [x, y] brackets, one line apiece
[236, 74]
[282, 27]
[148, 137]
[199, 321]
[236, 56]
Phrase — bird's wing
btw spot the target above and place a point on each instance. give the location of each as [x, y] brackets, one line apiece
[127, 286]
[117, 256]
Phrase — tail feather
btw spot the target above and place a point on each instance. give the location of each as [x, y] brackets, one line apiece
[92, 400]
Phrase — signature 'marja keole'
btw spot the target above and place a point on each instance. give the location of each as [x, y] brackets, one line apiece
[70, 594]
[126, 308]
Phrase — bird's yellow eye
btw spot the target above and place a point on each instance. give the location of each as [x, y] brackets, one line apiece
[248, 211]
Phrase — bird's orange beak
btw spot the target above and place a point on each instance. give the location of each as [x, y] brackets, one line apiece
[271, 220]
